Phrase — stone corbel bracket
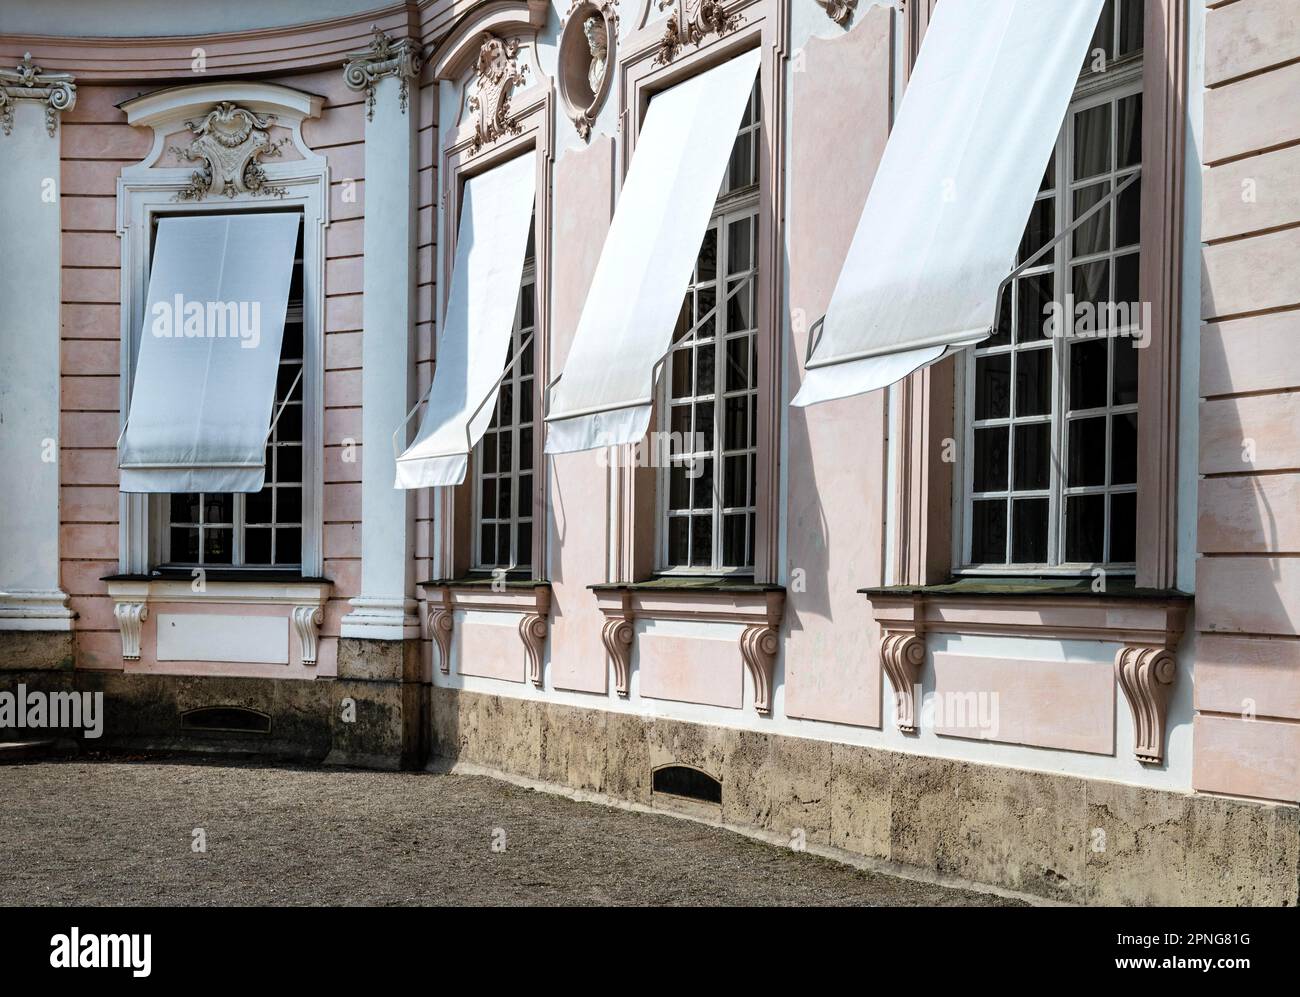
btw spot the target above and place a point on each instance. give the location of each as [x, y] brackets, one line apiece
[306, 624]
[758, 609]
[386, 56]
[902, 655]
[28, 81]
[131, 617]
[531, 600]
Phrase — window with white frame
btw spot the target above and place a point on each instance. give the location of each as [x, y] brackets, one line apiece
[503, 459]
[262, 529]
[708, 407]
[1051, 398]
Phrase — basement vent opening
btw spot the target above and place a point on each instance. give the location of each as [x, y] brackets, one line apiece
[692, 784]
[226, 719]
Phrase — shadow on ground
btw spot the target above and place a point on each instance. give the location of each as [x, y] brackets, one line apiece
[121, 832]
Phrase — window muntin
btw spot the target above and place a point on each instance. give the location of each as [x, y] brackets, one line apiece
[1051, 442]
[503, 459]
[709, 396]
[262, 529]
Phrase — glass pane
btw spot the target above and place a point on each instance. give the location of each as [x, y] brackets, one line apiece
[217, 546]
[525, 401]
[1126, 290]
[288, 505]
[525, 449]
[185, 545]
[524, 546]
[702, 486]
[1002, 334]
[1092, 142]
[705, 299]
[704, 370]
[289, 428]
[701, 541]
[1092, 235]
[1029, 531]
[679, 421]
[487, 543]
[488, 452]
[681, 373]
[218, 508]
[288, 463]
[1087, 374]
[1123, 449]
[734, 482]
[706, 265]
[1123, 527]
[738, 245]
[1034, 382]
[1128, 216]
[1039, 231]
[1087, 452]
[503, 497]
[733, 540]
[989, 531]
[735, 423]
[505, 452]
[739, 315]
[1033, 295]
[184, 509]
[1033, 459]
[993, 386]
[737, 364]
[257, 545]
[488, 506]
[991, 459]
[1130, 131]
[1126, 373]
[1084, 528]
[679, 534]
[1049, 175]
[524, 506]
[503, 560]
[679, 489]
[257, 508]
[288, 545]
[291, 347]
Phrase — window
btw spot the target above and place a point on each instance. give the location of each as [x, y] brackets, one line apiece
[1051, 419]
[503, 459]
[709, 399]
[263, 529]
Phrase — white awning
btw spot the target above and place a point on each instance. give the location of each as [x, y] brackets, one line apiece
[948, 205]
[605, 395]
[496, 211]
[209, 355]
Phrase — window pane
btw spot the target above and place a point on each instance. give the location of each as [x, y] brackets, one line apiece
[1130, 131]
[289, 428]
[525, 504]
[503, 498]
[991, 459]
[733, 540]
[1034, 382]
[218, 508]
[1123, 449]
[738, 246]
[993, 386]
[706, 264]
[681, 373]
[524, 546]
[1126, 372]
[736, 423]
[1128, 216]
[288, 505]
[679, 489]
[1092, 235]
[1087, 452]
[488, 506]
[288, 463]
[487, 543]
[288, 545]
[503, 559]
[184, 509]
[1033, 456]
[702, 486]
[1087, 374]
[701, 541]
[1039, 231]
[1002, 334]
[1033, 295]
[679, 532]
[1092, 142]
[988, 531]
[1123, 527]
[185, 545]
[217, 546]
[1029, 531]
[1084, 528]
[735, 482]
[257, 545]
[488, 452]
[737, 364]
[1126, 289]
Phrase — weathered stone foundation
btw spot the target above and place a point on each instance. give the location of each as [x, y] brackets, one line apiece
[1056, 836]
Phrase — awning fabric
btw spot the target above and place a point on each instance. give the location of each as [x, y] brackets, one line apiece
[209, 354]
[948, 205]
[496, 211]
[604, 397]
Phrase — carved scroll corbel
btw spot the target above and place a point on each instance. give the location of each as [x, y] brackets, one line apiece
[306, 623]
[1146, 676]
[902, 653]
[533, 628]
[758, 646]
[617, 635]
[440, 627]
[131, 617]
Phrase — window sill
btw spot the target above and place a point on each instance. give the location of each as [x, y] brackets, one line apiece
[758, 609]
[530, 600]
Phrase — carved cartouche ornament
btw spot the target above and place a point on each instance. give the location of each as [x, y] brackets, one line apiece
[230, 140]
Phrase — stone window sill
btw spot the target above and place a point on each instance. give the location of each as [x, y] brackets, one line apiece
[757, 608]
[1146, 623]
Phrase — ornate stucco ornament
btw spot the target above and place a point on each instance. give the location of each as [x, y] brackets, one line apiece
[498, 73]
[690, 23]
[385, 57]
[231, 140]
[588, 37]
[839, 11]
[30, 82]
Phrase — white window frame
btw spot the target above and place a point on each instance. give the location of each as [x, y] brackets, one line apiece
[1123, 79]
[512, 378]
[145, 192]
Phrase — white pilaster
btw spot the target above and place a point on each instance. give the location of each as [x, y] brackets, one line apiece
[30, 267]
[386, 607]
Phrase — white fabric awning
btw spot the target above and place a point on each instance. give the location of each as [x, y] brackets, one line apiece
[209, 354]
[948, 205]
[605, 395]
[496, 211]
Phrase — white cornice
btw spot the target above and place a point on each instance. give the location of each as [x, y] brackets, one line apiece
[178, 103]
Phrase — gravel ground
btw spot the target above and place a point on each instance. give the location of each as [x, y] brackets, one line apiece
[121, 832]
